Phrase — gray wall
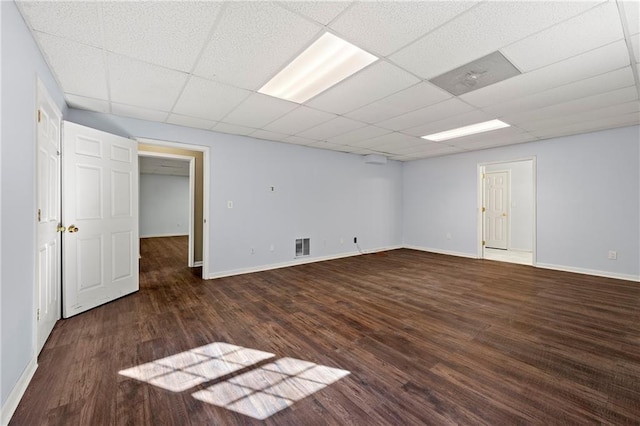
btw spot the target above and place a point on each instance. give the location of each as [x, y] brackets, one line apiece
[324, 195]
[521, 203]
[588, 200]
[164, 205]
[21, 64]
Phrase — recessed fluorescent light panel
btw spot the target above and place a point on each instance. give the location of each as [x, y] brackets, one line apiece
[326, 62]
[485, 126]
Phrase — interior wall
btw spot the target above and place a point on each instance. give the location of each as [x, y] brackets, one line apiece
[22, 63]
[588, 201]
[521, 203]
[164, 205]
[198, 224]
[328, 196]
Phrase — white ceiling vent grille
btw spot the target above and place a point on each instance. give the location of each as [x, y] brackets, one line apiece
[302, 247]
[480, 73]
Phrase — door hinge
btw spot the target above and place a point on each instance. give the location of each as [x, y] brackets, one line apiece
[39, 116]
[39, 215]
[483, 243]
[483, 209]
[38, 314]
[483, 176]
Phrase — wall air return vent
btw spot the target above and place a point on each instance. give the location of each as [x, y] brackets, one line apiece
[482, 72]
[302, 247]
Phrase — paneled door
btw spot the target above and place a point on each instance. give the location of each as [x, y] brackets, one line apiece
[496, 203]
[49, 120]
[100, 211]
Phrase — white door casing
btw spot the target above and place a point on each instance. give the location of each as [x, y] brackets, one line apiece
[496, 202]
[48, 274]
[100, 210]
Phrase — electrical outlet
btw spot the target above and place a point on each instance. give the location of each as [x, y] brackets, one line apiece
[272, 247]
[253, 251]
[613, 255]
[355, 240]
[341, 240]
[448, 235]
[229, 204]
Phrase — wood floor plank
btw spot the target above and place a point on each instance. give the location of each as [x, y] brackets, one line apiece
[427, 339]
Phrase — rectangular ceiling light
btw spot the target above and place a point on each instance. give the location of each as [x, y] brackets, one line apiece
[485, 126]
[326, 62]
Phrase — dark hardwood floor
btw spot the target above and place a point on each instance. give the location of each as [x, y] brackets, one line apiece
[428, 339]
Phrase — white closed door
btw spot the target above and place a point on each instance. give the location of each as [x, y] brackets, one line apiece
[100, 211]
[49, 120]
[496, 217]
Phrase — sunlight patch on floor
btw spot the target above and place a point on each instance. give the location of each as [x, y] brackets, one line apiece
[258, 393]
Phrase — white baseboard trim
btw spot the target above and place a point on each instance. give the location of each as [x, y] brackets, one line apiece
[197, 264]
[18, 391]
[438, 251]
[298, 261]
[163, 235]
[593, 272]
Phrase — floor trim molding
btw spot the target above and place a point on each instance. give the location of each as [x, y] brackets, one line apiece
[18, 391]
[299, 261]
[593, 272]
[438, 251]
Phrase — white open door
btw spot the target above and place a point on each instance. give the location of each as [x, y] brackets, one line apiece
[100, 211]
[496, 204]
[48, 236]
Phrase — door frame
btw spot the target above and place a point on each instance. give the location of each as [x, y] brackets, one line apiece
[205, 190]
[480, 195]
[192, 190]
[43, 93]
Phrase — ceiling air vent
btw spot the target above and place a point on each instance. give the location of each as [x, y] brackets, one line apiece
[302, 247]
[480, 73]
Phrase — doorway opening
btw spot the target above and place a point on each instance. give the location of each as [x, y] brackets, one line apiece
[506, 211]
[179, 172]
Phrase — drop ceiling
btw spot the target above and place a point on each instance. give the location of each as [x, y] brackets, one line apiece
[201, 64]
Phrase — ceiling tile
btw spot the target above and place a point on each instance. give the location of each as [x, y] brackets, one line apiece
[77, 21]
[426, 115]
[585, 116]
[252, 42]
[170, 34]
[186, 121]
[384, 27]
[79, 68]
[299, 140]
[592, 29]
[498, 137]
[320, 11]
[374, 82]
[259, 110]
[391, 139]
[208, 99]
[632, 15]
[620, 78]
[590, 126]
[595, 62]
[431, 148]
[407, 100]
[144, 85]
[137, 112]
[635, 46]
[233, 129]
[332, 128]
[298, 120]
[600, 100]
[90, 104]
[267, 135]
[325, 145]
[451, 122]
[363, 133]
[482, 30]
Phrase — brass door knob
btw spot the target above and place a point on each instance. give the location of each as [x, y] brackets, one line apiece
[72, 229]
[504, 214]
[60, 228]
